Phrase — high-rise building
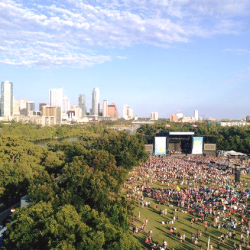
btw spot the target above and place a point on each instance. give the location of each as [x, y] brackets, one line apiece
[82, 104]
[77, 110]
[56, 97]
[105, 109]
[154, 116]
[16, 108]
[65, 105]
[30, 106]
[179, 115]
[51, 115]
[95, 102]
[174, 118]
[112, 111]
[130, 113]
[125, 112]
[41, 105]
[196, 115]
[6, 99]
[22, 105]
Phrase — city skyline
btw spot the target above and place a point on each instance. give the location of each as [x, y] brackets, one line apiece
[58, 99]
[155, 55]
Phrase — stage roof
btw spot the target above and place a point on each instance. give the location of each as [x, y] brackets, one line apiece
[181, 133]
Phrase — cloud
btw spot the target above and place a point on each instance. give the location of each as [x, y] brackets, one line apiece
[121, 57]
[238, 52]
[239, 76]
[73, 32]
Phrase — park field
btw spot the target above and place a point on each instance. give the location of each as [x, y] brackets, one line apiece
[183, 225]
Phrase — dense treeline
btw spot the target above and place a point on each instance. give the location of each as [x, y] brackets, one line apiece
[74, 188]
[226, 138]
[32, 132]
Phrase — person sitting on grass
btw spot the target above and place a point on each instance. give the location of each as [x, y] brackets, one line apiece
[154, 246]
[181, 237]
[165, 244]
[196, 241]
[248, 246]
[151, 233]
[198, 233]
[147, 240]
[192, 237]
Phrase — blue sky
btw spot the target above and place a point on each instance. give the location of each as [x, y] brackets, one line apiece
[154, 55]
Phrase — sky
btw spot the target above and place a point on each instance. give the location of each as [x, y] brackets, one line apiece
[153, 55]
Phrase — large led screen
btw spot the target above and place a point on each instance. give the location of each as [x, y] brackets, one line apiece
[160, 145]
[197, 145]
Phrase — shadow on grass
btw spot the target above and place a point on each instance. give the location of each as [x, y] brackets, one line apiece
[186, 247]
[153, 210]
[164, 232]
[141, 240]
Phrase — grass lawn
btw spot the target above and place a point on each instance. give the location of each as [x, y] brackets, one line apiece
[183, 225]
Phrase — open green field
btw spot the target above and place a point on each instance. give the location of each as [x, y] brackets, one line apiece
[183, 225]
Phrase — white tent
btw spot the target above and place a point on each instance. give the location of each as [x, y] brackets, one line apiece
[233, 153]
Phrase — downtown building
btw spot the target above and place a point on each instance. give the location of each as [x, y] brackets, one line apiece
[196, 115]
[95, 102]
[82, 104]
[113, 111]
[154, 116]
[56, 97]
[65, 105]
[16, 107]
[127, 113]
[30, 107]
[41, 105]
[52, 114]
[105, 112]
[7, 99]
[22, 106]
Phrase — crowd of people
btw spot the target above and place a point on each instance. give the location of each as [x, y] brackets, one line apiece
[193, 185]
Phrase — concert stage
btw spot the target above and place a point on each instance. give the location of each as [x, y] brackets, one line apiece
[178, 142]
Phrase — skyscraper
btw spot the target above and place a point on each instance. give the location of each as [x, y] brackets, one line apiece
[16, 107]
[56, 97]
[105, 109]
[41, 105]
[77, 110]
[22, 104]
[95, 101]
[125, 112]
[130, 113]
[180, 115]
[51, 115]
[82, 104]
[112, 111]
[30, 106]
[196, 115]
[154, 116]
[66, 105]
[7, 99]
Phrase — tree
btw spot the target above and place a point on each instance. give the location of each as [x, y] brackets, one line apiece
[43, 227]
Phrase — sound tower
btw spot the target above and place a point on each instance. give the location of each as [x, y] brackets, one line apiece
[237, 175]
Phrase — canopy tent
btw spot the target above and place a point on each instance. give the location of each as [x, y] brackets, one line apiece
[233, 153]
